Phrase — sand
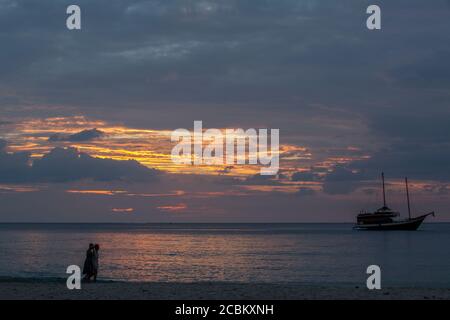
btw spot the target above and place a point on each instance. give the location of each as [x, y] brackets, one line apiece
[17, 289]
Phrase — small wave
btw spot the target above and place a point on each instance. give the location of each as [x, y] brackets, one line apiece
[42, 280]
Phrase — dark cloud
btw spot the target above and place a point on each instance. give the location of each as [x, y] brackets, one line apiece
[68, 164]
[85, 135]
[432, 71]
[420, 128]
[304, 176]
[415, 160]
[258, 179]
[342, 180]
[253, 52]
[419, 161]
[14, 167]
[304, 192]
[4, 123]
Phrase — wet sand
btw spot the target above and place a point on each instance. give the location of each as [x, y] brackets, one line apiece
[45, 290]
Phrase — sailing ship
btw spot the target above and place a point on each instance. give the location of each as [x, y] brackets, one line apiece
[387, 219]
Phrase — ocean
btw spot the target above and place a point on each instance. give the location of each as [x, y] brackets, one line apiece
[322, 254]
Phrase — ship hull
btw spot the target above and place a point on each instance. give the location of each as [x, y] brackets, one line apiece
[407, 225]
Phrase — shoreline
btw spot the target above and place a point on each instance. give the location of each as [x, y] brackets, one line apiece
[55, 289]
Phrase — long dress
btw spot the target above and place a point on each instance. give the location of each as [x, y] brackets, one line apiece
[88, 267]
[95, 262]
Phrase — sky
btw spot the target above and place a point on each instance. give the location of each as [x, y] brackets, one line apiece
[86, 115]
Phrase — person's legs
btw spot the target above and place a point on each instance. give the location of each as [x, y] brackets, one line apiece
[87, 277]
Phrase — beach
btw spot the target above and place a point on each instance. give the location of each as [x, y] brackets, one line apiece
[56, 290]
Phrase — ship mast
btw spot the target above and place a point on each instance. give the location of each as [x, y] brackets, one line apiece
[384, 192]
[407, 197]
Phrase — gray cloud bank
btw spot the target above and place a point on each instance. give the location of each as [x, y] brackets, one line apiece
[85, 135]
[68, 164]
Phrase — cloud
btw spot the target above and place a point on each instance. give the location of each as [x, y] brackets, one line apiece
[304, 176]
[403, 158]
[3, 144]
[14, 167]
[173, 208]
[68, 164]
[342, 180]
[123, 210]
[304, 192]
[85, 135]
[430, 71]
[241, 51]
[430, 161]
[258, 179]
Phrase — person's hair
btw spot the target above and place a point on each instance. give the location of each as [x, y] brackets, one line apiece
[97, 247]
[91, 245]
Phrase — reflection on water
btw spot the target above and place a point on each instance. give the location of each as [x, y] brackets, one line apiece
[311, 253]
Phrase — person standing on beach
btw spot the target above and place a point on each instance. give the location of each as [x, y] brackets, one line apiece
[88, 267]
[95, 261]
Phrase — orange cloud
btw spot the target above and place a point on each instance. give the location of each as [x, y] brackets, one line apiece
[18, 188]
[173, 208]
[151, 148]
[122, 210]
[98, 192]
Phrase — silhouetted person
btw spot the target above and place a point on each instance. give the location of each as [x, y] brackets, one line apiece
[95, 261]
[88, 268]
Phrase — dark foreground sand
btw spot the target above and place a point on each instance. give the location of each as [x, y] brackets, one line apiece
[16, 289]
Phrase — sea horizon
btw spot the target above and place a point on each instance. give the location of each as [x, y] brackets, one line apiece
[202, 223]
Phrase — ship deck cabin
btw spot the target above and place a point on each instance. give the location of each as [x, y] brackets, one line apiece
[382, 215]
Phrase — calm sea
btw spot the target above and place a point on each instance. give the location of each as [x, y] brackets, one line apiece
[306, 253]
